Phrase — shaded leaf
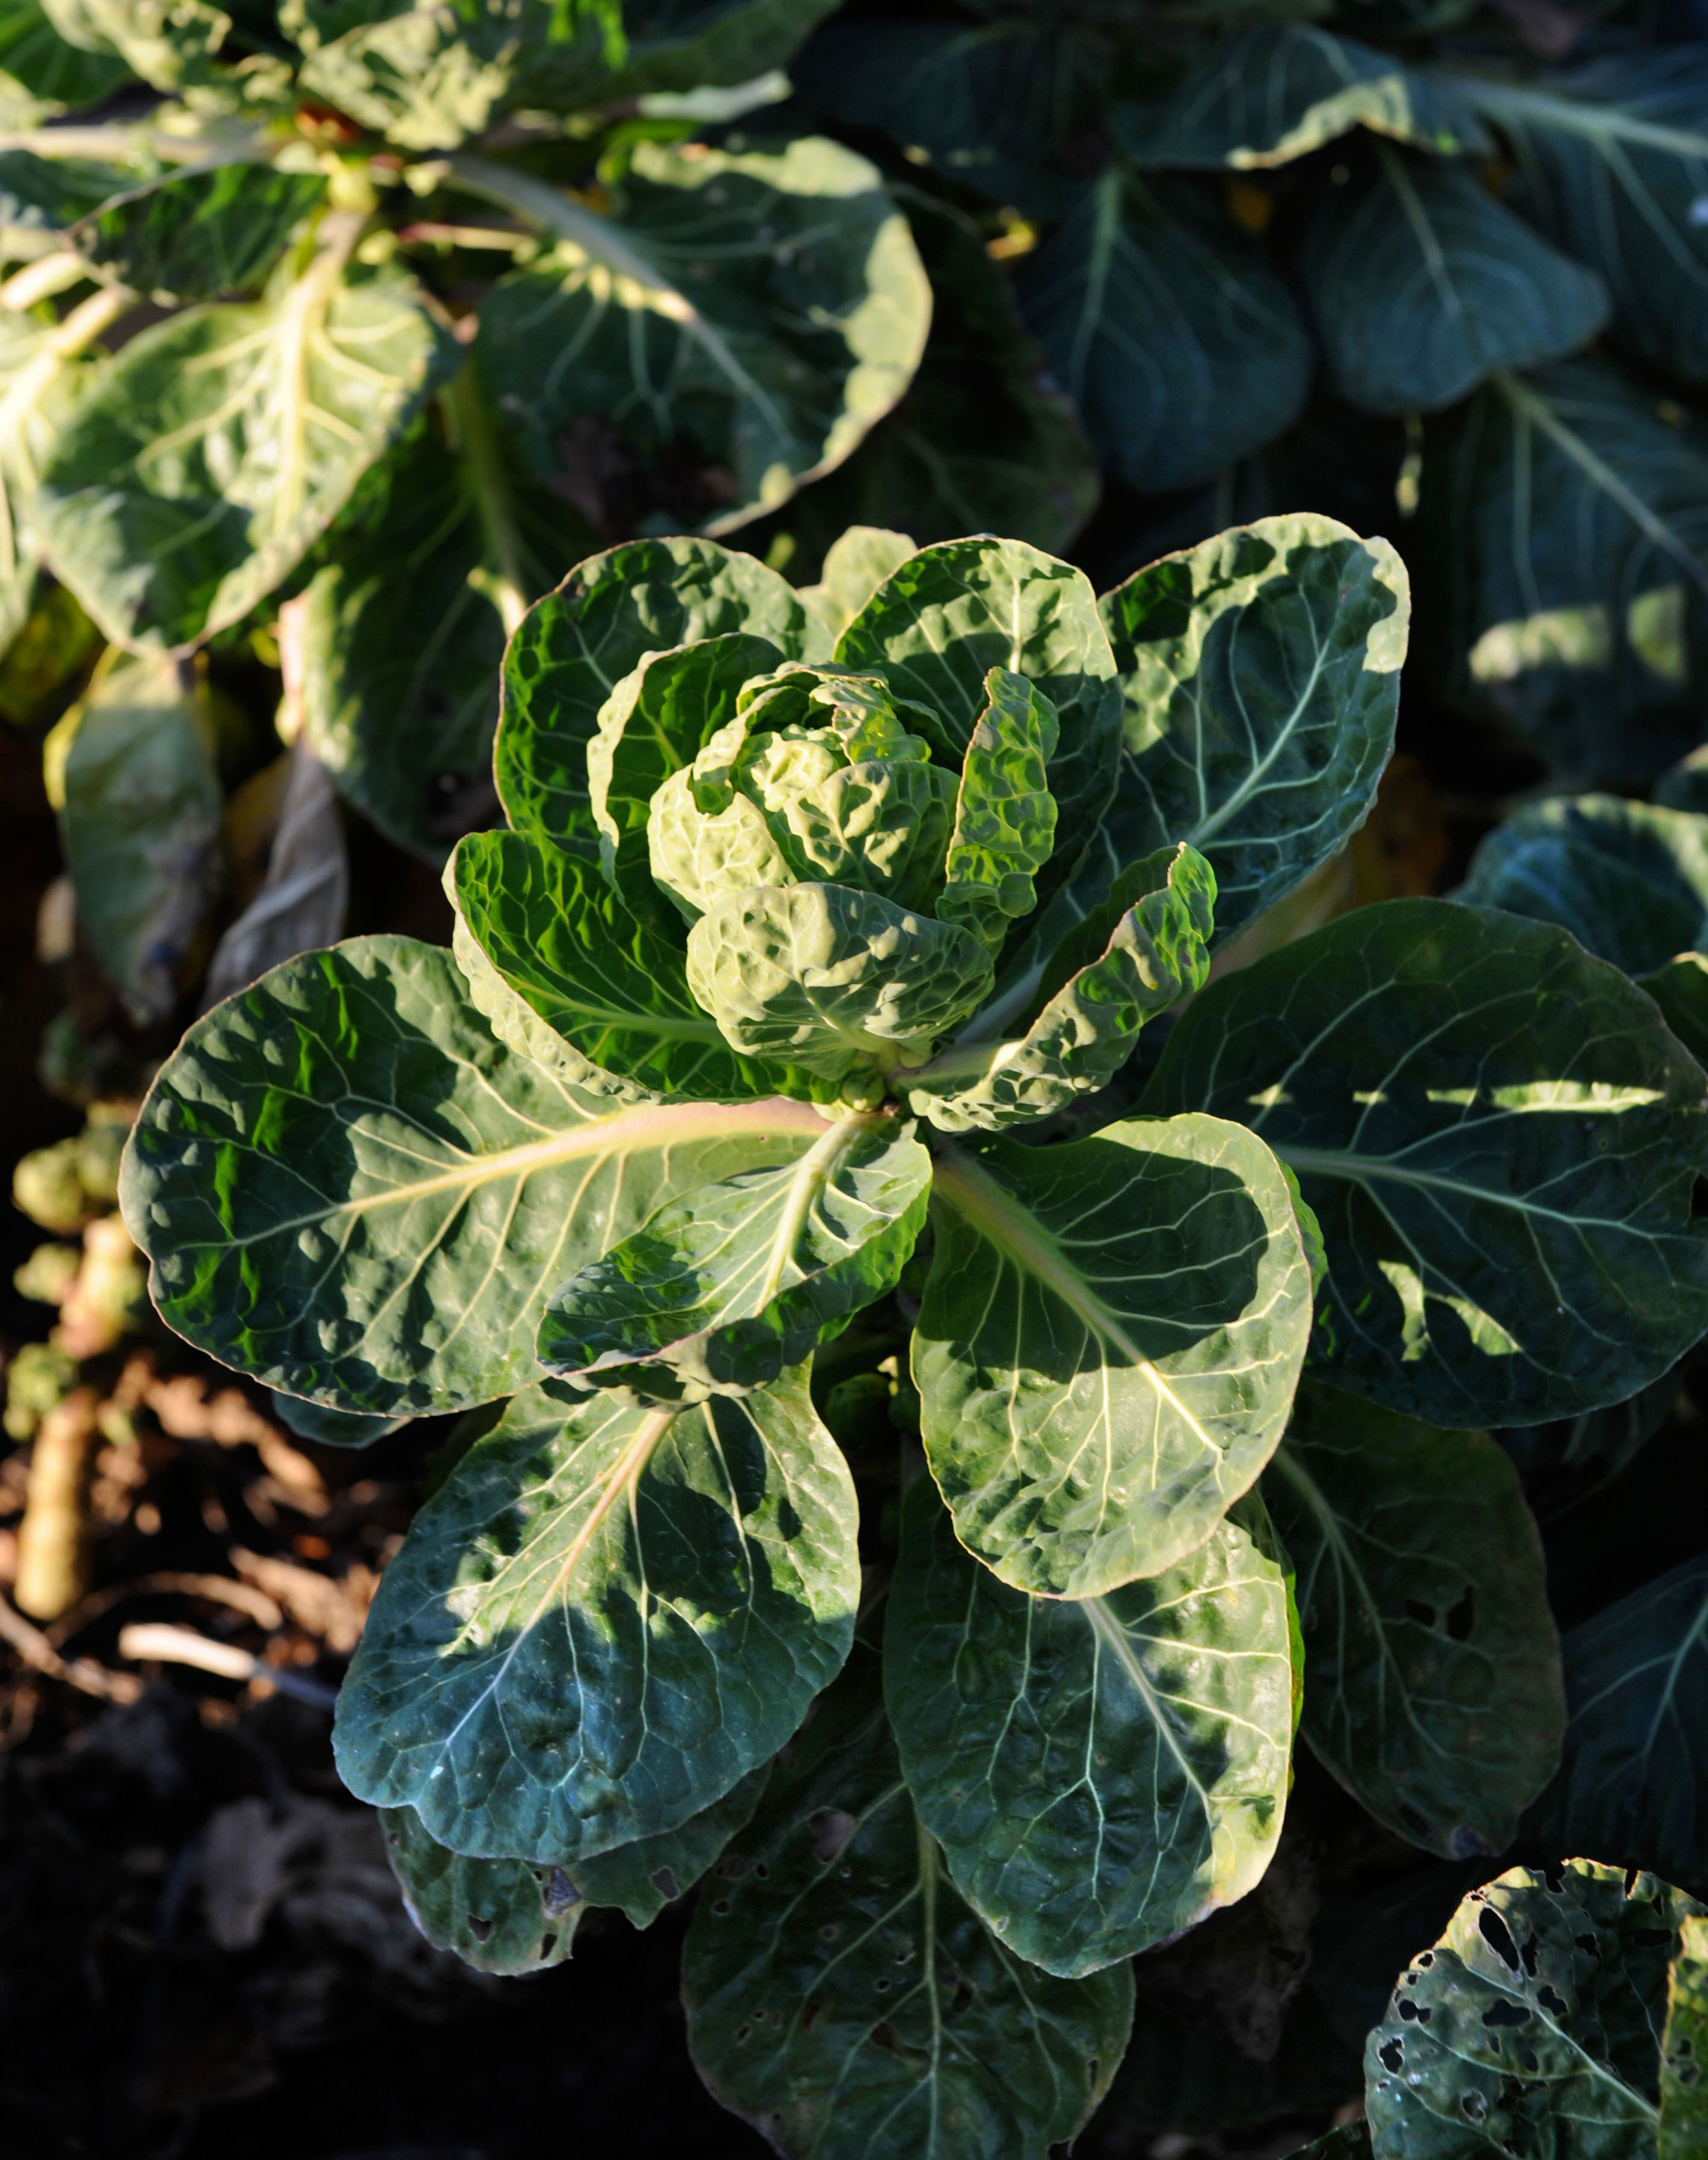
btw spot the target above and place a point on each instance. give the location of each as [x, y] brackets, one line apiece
[1108, 1347]
[1100, 1775]
[1530, 2027]
[1499, 1140]
[725, 1288]
[199, 236]
[1433, 1679]
[772, 369]
[1177, 342]
[1421, 284]
[1683, 2133]
[142, 824]
[216, 445]
[687, 44]
[305, 894]
[1681, 990]
[575, 646]
[842, 1997]
[353, 1190]
[332, 1428]
[602, 1620]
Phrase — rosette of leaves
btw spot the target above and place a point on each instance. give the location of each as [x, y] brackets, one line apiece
[791, 1021]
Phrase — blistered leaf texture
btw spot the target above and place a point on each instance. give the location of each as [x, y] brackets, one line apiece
[1100, 1775]
[1499, 1139]
[843, 1999]
[1433, 1674]
[602, 1620]
[1683, 2132]
[352, 1189]
[1260, 674]
[1421, 284]
[1532, 2028]
[1005, 828]
[579, 642]
[201, 235]
[731, 1283]
[1109, 1341]
[220, 444]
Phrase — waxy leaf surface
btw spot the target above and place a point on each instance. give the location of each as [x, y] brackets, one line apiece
[201, 235]
[1005, 828]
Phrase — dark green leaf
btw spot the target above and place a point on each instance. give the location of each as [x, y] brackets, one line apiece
[578, 643]
[1422, 284]
[842, 1998]
[1433, 1681]
[678, 45]
[1681, 990]
[1109, 1345]
[332, 1428]
[500, 1916]
[1500, 1142]
[1530, 2029]
[42, 73]
[1181, 346]
[202, 236]
[602, 1620]
[1101, 1774]
[352, 1189]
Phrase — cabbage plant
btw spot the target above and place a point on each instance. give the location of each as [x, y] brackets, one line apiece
[853, 1011]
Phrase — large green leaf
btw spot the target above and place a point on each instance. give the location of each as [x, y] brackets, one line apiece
[731, 1283]
[948, 615]
[1532, 2028]
[1612, 161]
[1109, 1344]
[1100, 1775]
[1633, 1781]
[1261, 679]
[573, 647]
[611, 985]
[1179, 343]
[169, 43]
[676, 46]
[1005, 828]
[840, 983]
[1628, 880]
[1683, 2133]
[1566, 533]
[42, 73]
[843, 1999]
[649, 390]
[1278, 92]
[1422, 284]
[217, 446]
[1142, 950]
[199, 236]
[500, 1916]
[1499, 1140]
[1433, 1680]
[602, 1620]
[351, 1188]
[142, 822]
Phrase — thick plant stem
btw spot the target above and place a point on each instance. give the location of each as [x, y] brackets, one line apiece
[53, 1540]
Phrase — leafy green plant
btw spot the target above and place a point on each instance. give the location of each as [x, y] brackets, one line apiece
[788, 1086]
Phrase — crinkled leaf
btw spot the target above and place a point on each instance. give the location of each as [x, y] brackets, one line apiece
[1167, 326]
[839, 982]
[352, 1189]
[1633, 1780]
[1566, 533]
[843, 1999]
[141, 823]
[214, 448]
[201, 236]
[1144, 949]
[1005, 828]
[579, 642]
[602, 1619]
[699, 400]
[302, 899]
[1611, 161]
[1532, 2028]
[855, 565]
[1109, 1343]
[1499, 1140]
[1628, 880]
[1421, 284]
[730, 1284]
[1683, 2133]
[1433, 1678]
[1261, 679]
[171, 43]
[1100, 1775]
[1278, 92]
[609, 984]
[948, 615]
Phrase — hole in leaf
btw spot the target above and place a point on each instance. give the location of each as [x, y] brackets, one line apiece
[1586, 1942]
[1699, 1200]
[1550, 2002]
[664, 1883]
[1461, 1617]
[1527, 2057]
[742, 2033]
[1409, 2010]
[1631, 1875]
[829, 1932]
[1506, 2014]
[1498, 1938]
[1474, 2105]
[883, 2037]
[1426, 1960]
[547, 1944]
[560, 1895]
[1424, 1614]
[1392, 2055]
[481, 1930]
[1651, 1937]
[720, 1905]
[761, 1870]
[810, 2016]
[961, 1998]
[1528, 1951]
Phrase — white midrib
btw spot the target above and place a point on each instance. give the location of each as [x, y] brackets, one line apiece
[1594, 123]
[807, 1181]
[973, 1193]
